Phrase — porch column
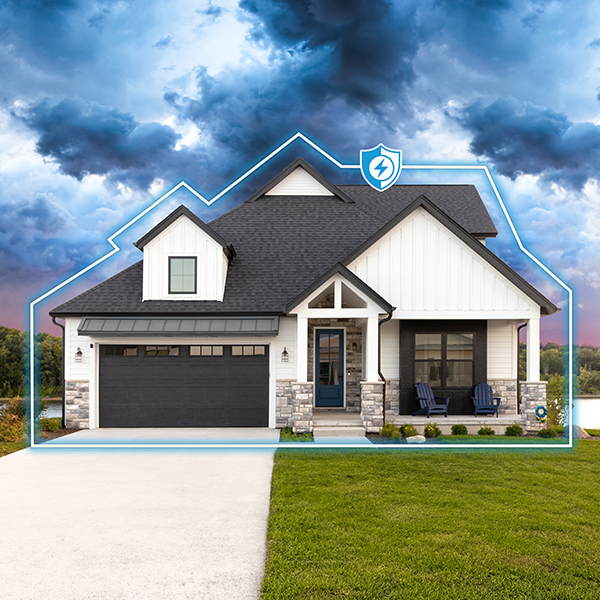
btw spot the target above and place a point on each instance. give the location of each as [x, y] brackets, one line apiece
[302, 349]
[372, 340]
[533, 349]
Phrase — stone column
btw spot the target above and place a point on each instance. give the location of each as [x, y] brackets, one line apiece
[533, 394]
[507, 390]
[77, 404]
[284, 405]
[302, 407]
[392, 397]
[371, 405]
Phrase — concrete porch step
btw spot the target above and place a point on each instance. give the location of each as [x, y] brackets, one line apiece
[340, 435]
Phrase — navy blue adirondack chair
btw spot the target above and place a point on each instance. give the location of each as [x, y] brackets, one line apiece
[484, 400]
[428, 403]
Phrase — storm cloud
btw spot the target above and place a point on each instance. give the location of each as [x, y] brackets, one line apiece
[88, 138]
[522, 138]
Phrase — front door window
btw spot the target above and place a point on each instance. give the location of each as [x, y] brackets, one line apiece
[329, 388]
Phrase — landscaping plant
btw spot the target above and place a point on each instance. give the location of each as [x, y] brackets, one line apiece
[459, 429]
[408, 430]
[547, 433]
[432, 430]
[514, 430]
[486, 431]
[387, 431]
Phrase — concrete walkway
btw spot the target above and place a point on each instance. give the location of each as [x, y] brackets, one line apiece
[133, 524]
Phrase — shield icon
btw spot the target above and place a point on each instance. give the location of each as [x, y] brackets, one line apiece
[380, 166]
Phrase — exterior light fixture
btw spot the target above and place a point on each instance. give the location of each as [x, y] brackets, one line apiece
[354, 346]
[285, 355]
[78, 355]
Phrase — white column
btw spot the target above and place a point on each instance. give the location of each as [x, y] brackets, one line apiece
[533, 349]
[372, 335]
[302, 349]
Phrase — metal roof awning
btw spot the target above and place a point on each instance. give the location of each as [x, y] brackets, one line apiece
[172, 326]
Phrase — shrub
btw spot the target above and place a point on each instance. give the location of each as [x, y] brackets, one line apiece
[556, 399]
[287, 435]
[12, 428]
[459, 429]
[547, 433]
[486, 431]
[432, 430]
[50, 424]
[408, 430]
[514, 430]
[396, 435]
[387, 431]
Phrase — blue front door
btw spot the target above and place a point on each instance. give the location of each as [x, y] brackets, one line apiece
[329, 363]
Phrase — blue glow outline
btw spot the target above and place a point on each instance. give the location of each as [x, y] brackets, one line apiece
[183, 184]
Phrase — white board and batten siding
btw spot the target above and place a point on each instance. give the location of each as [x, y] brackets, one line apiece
[77, 371]
[502, 349]
[184, 238]
[299, 183]
[390, 349]
[286, 339]
[427, 272]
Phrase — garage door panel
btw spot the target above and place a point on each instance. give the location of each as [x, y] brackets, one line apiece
[185, 390]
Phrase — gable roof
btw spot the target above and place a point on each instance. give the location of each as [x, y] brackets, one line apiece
[422, 201]
[341, 269]
[300, 162]
[184, 211]
[283, 247]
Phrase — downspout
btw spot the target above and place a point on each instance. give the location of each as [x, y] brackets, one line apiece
[63, 385]
[518, 363]
[379, 357]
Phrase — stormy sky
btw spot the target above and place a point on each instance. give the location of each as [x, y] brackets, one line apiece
[104, 106]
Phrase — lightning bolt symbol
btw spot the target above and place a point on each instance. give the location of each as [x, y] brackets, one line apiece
[380, 167]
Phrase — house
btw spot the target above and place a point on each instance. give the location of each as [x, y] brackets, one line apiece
[307, 295]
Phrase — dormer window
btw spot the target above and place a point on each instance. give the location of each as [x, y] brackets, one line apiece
[182, 275]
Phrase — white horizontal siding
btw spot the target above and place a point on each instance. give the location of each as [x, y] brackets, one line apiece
[73, 370]
[390, 349]
[184, 238]
[299, 183]
[502, 349]
[286, 339]
[422, 267]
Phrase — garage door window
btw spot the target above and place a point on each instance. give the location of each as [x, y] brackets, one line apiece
[119, 350]
[162, 350]
[206, 350]
[247, 350]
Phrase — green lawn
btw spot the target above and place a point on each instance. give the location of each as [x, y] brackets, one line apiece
[433, 524]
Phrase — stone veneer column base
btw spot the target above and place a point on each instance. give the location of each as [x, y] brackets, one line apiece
[302, 407]
[77, 404]
[392, 397]
[371, 405]
[283, 404]
[507, 390]
[533, 394]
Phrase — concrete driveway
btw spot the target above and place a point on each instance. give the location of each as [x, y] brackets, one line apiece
[139, 524]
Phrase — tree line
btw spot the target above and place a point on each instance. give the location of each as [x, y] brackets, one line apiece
[14, 363]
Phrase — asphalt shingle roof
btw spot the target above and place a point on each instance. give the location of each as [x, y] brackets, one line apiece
[283, 244]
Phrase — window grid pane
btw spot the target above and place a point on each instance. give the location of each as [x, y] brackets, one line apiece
[182, 275]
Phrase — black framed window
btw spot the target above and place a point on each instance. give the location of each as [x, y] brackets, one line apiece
[206, 350]
[182, 275]
[247, 350]
[119, 350]
[444, 359]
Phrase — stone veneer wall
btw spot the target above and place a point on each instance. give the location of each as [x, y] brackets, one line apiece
[507, 390]
[533, 394]
[77, 401]
[283, 404]
[352, 360]
[302, 407]
[371, 406]
[392, 397]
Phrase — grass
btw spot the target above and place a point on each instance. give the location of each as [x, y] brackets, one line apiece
[594, 432]
[435, 524]
[286, 434]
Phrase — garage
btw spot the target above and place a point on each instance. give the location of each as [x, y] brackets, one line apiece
[184, 385]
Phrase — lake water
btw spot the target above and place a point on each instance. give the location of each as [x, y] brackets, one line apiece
[53, 409]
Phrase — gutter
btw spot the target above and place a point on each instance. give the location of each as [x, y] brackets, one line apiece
[379, 356]
[64, 385]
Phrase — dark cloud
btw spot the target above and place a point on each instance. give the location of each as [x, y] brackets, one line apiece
[88, 138]
[164, 42]
[522, 138]
[214, 12]
[329, 63]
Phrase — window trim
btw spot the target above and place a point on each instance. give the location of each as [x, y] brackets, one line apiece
[195, 259]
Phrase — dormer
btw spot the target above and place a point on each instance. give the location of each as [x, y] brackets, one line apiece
[184, 259]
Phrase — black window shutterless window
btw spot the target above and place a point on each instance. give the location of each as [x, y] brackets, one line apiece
[182, 275]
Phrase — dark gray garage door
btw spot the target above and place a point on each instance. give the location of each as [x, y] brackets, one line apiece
[184, 386]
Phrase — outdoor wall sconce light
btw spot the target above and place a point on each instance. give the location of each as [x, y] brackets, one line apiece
[78, 355]
[285, 356]
[354, 346]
